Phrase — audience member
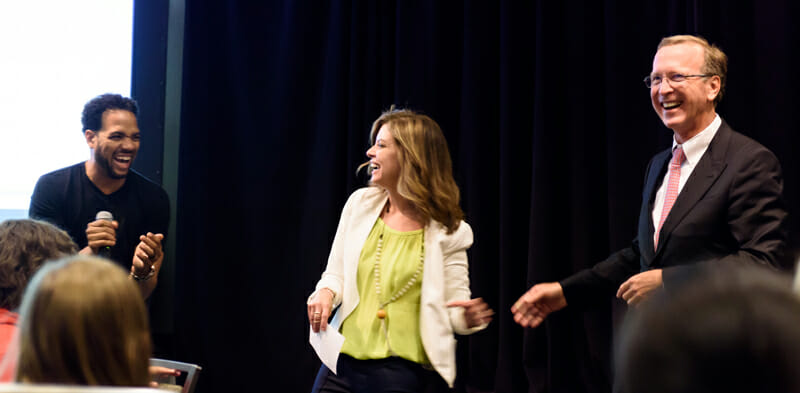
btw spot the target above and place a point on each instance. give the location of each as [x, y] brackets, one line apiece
[83, 322]
[25, 245]
[728, 330]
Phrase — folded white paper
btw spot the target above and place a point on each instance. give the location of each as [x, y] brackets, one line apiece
[327, 344]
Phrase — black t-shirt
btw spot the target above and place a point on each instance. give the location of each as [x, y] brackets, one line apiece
[69, 200]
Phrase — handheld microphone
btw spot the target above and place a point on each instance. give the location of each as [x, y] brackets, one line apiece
[104, 252]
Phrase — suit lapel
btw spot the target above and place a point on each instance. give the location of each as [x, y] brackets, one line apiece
[707, 171]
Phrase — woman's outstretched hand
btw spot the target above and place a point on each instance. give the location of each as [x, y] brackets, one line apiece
[476, 311]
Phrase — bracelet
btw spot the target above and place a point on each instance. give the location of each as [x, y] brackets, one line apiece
[144, 278]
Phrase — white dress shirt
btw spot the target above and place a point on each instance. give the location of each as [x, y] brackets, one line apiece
[693, 149]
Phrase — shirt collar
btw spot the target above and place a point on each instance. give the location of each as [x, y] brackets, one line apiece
[694, 148]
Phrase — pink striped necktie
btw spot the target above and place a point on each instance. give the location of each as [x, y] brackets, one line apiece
[672, 188]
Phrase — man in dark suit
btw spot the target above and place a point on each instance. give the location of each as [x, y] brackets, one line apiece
[713, 199]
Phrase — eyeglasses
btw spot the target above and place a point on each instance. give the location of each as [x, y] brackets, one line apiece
[655, 80]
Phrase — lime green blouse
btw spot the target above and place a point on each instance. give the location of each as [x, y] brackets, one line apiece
[399, 260]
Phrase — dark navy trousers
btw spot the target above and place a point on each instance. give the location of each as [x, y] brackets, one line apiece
[395, 375]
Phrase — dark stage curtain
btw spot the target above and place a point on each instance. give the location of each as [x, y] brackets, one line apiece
[549, 125]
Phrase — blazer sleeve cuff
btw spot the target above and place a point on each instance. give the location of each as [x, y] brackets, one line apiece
[336, 298]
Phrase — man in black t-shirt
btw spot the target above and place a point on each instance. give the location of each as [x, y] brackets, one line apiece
[70, 198]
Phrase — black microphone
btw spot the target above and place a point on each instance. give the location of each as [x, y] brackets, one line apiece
[104, 252]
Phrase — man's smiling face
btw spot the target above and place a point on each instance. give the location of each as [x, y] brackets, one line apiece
[686, 107]
[116, 144]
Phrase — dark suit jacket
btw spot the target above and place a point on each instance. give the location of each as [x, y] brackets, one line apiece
[730, 210]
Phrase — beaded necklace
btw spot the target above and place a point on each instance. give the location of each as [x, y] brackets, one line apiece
[402, 291]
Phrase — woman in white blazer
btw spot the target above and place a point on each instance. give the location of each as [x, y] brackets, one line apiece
[397, 270]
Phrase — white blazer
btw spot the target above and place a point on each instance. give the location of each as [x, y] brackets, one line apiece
[445, 276]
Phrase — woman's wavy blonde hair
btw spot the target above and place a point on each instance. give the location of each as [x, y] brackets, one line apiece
[426, 170]
[83, 322]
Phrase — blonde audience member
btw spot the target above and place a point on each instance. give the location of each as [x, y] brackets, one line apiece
[83, 322]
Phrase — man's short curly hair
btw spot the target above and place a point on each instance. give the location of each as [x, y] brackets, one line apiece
[25, 245]
[92, 117]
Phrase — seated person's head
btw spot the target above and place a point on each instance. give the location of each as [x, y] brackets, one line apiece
[24, 246]
[83, 322]
[727, 330]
